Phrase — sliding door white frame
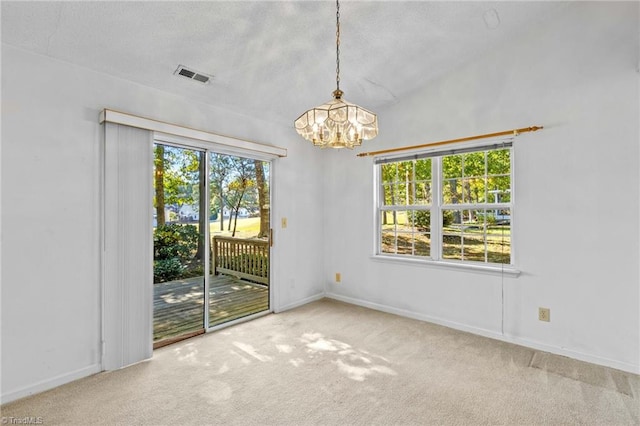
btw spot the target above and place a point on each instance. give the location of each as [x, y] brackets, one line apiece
[207, 238]
[206, 147]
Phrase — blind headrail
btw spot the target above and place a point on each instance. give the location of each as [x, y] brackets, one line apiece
[514, 132]
[131, 120]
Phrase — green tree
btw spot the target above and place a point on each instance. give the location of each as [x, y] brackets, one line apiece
[159, 184]
[221, 166]
[422, 181]
[238, 188]
[473, 177]
[499, 175]
[203, 211]
[263, 198]
[175, 178]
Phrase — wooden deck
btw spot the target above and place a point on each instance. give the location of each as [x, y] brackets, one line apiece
[177, 305]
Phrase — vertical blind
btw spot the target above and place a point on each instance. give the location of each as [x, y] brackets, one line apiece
[127, 297]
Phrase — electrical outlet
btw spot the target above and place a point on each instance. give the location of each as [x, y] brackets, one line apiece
[544, 314]
[338, 277]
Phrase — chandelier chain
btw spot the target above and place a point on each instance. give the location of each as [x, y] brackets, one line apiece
[338, 44]
[337, 123]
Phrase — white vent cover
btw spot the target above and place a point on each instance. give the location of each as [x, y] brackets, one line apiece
[192, 75]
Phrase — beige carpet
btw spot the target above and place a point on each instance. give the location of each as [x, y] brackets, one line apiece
[331, 363]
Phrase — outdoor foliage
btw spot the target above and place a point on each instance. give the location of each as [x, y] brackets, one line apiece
[167, 269]
[174, 246]
[477, 177]
[175, 241]
[175, 178]
[422, 219]
[407, 182]
[238, 186]
[240, 189]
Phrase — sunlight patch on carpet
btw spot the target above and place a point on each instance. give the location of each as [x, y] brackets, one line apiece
[286, 349]
[243, 359]
[317, 342]
[249, 350]
[215, 392]
[361, 373]
[187, 353]
[355, 364]
[355, 356]
[296, 362]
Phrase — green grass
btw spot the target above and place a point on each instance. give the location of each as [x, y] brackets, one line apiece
[248, 227]
[497, 250]
[471, 228]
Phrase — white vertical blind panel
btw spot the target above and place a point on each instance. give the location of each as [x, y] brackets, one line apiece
[128, 250]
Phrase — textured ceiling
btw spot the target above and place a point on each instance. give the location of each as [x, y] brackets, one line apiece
[273, 58]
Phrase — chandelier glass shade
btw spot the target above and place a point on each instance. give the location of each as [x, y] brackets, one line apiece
[337, 123]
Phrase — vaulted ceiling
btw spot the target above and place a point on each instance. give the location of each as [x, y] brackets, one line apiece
[274, 59]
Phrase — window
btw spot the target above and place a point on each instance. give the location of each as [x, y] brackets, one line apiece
[467, 192]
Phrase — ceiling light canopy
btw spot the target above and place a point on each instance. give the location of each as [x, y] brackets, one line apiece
[337, 123]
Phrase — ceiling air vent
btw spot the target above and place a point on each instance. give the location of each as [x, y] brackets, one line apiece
[191, 74]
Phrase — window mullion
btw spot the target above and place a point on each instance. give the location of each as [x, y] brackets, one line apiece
[479, 206]
[378, 181]
[412, 186]
[403, 207]
[512, 202]
[486, 180]
[436, 213]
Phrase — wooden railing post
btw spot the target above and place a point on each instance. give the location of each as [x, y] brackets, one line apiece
[214, 258]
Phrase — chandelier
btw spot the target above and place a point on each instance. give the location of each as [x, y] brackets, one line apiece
[337, 123]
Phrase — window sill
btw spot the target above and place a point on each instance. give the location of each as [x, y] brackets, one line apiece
[509, 270]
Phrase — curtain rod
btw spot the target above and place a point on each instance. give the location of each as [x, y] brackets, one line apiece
[514, 132]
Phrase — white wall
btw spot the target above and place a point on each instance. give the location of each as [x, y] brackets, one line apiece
[50, 211]
[576, 230]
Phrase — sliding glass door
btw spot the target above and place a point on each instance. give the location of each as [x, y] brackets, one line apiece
[211, 240]
[239, 280]
[178, 243]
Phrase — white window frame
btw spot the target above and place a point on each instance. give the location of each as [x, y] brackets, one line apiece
[437, 207]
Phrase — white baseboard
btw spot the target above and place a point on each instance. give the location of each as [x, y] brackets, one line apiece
[594, 359]
[62, 379]
[50, 383]
[300, 302]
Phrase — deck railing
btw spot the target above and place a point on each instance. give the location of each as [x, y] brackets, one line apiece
[243, 258]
